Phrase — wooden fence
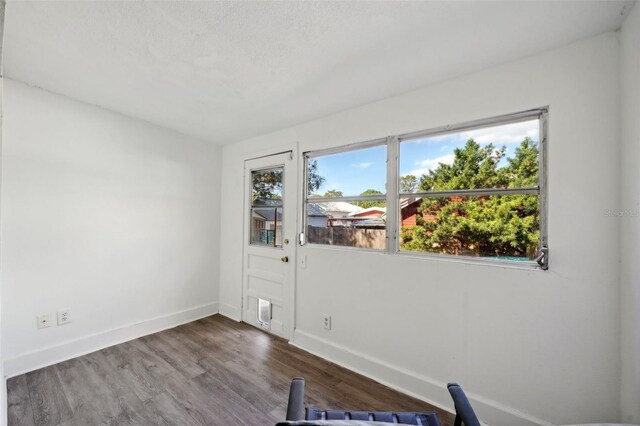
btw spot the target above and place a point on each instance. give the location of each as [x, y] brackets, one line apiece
[351, 237]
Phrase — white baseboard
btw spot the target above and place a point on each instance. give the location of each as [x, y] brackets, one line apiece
[411, 383]
[230, 312]
[30, 361]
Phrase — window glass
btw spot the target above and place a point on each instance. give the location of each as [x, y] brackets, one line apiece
[266, 226]
[266, 207]
[503, 156]
[478, 191]
[496, 223]
[351, 173]
[503, 227]
[266, 187]
[356, 224]
[360, 220]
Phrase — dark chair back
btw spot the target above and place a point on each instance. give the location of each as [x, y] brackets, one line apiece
[295, 406]
[297, 412]
[464, 413]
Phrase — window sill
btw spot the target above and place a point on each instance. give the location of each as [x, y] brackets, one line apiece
[467, 260]
[345, 248]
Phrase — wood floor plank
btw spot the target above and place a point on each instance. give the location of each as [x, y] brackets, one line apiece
[93, 399]
[205, 407]
[137, 414]
[49, 404]
[213, 371]
[197, 345]
[142, 371]
[174, 355]
[263, 394]
[106, 377]
[163, 409]
[81, 394]
[232, 402]
[19, 411]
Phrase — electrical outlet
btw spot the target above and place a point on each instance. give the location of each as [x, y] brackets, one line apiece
[327, 321]
[64, 317]
[44, 321]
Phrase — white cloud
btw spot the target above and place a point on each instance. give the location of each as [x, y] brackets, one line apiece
[499, 135]
[511, 133]
[433, 162]
[436, 139]
[418, 172]
[430, 164]
[362, 165]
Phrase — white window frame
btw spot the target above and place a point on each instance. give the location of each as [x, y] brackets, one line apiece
[306, 200]
[393, 195]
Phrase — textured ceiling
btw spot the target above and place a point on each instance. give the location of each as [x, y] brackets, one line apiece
[225, 71]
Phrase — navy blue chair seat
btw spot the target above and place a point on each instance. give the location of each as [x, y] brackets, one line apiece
[297, 412]
[405, 418]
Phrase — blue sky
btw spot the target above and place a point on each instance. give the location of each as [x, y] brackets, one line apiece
[356, 171]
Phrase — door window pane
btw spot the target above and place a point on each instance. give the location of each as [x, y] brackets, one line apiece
[266, 226]
[266, 207]
[266, 186]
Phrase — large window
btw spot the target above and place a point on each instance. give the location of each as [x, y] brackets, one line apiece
[346, 196]
[474, 190]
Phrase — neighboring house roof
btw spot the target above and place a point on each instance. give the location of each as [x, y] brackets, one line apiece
[369, 211]
[315, 210]
[269, 213]
[258, 215]
[341, 207]
[404, 202]
[271, 202]
[331, 208]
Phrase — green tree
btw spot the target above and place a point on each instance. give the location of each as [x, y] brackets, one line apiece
[408, 183]
[332, 193]
[473, 167]
[367, 204]
[267, 184]
[506, 225]
[314, 180]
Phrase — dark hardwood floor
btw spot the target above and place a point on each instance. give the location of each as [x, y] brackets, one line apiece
[214, 371]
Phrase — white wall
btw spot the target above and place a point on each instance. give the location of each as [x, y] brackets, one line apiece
[113, 218]
[3, 387]
[543, 344]
[630, 220]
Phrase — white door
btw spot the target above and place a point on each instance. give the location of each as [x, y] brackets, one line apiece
[270, 243]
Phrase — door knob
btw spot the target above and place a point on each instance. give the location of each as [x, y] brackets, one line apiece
[285, 259]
